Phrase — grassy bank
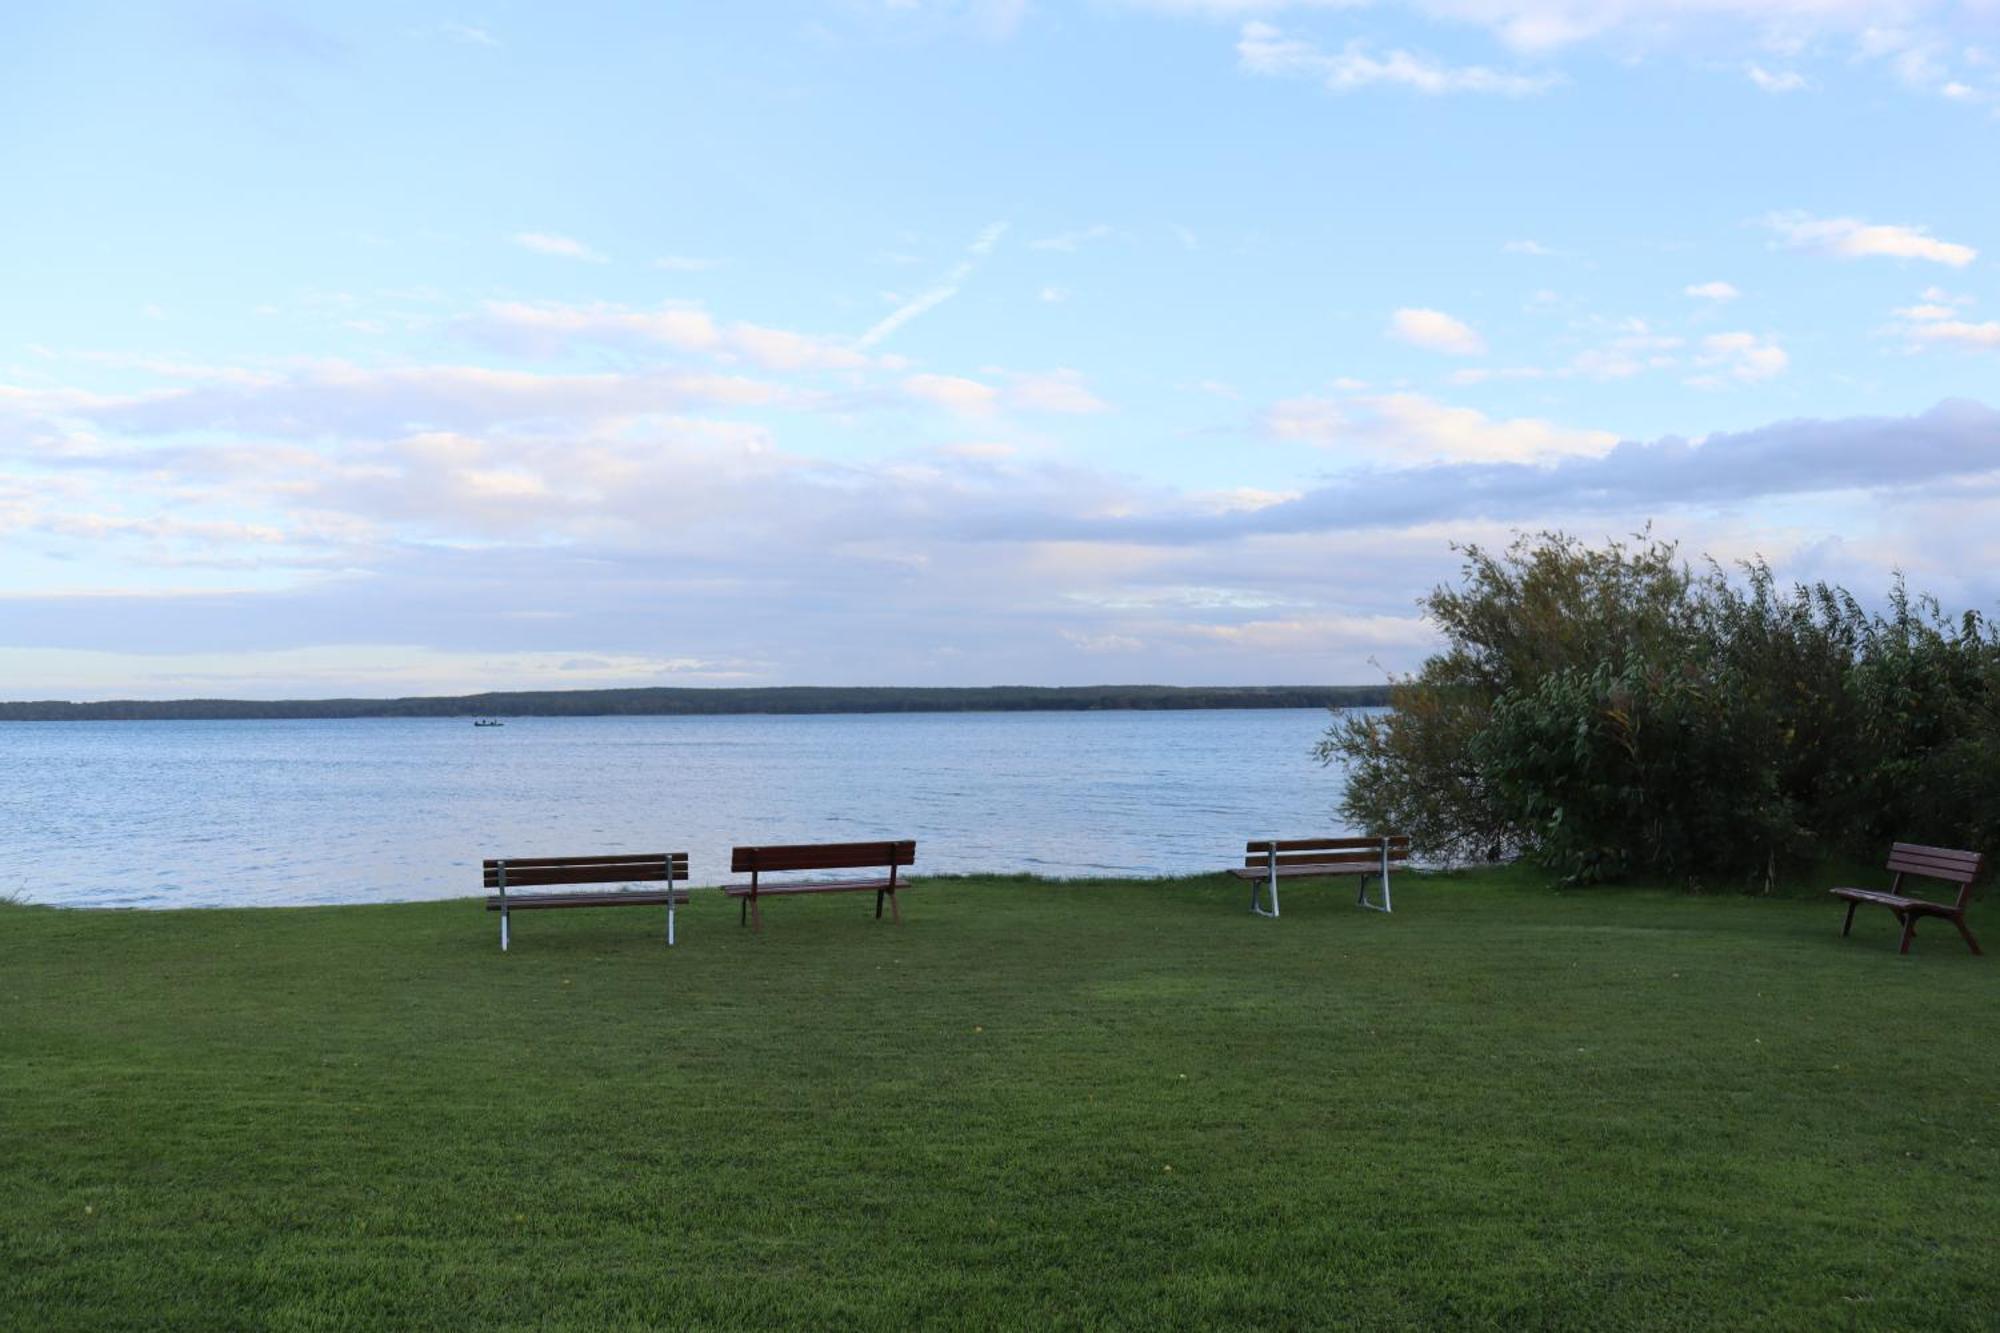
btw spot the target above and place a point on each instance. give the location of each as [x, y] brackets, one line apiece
[1130, 1105]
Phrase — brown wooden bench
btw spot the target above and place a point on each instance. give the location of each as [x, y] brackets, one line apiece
[508, 874]
[1268, 860]
[1906, 858]
[760, 861]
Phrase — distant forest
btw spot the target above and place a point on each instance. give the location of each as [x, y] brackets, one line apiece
[704, 702]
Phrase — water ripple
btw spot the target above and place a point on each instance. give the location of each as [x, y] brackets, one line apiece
[202, 814]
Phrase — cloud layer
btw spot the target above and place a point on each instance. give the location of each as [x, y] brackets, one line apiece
[652, 520]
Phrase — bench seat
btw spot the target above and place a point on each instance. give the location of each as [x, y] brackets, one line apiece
[1895, 902]
[522, 902]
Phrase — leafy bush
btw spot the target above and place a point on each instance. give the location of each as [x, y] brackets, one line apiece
[1610, 712]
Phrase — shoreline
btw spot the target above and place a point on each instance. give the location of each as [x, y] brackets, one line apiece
[759, 701]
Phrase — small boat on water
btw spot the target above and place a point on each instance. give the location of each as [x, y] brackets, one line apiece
[487, 722]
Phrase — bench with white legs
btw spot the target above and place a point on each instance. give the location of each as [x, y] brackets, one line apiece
[1268, 860]
[509, 875]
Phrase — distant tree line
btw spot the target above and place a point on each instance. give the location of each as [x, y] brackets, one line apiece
[1612, 712]
[687, 702]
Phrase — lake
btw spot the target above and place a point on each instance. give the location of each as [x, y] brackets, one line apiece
[215, 814]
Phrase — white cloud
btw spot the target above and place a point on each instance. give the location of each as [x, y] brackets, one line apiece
[1744, 358]
[1410, 427]
[982, 246]
[1053, 391]
[1983, 334]
[336, 399]
[1053, 295]
[1712, 291]
[782, 349]
[1535, 248]
[1056, 391]
[551, 326]
[1309, 418]
[1263, 49]
[1540, 25]
[1940, 319]
[1849, 238]
[1437, 331]
[954, 393]
[1930, 46]
[684, 326]
[1780, 81]
[1634, 349]
[479, 502]
[1411, 424]
[565, 247]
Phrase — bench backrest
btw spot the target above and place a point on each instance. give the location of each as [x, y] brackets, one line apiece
[1325, 851]
[1960, 868]
[527, 872]
[823, 856]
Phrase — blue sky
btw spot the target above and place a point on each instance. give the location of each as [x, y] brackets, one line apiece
[404, 348]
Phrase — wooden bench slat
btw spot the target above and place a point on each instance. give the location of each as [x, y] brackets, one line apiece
[822, 856]
[513, 861]
[1324, 844]
[1373, 858]
[1958, 872]
[1895, 901]
[605, 874]
[1940, 853]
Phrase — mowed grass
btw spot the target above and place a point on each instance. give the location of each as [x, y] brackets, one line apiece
[1120, 1105]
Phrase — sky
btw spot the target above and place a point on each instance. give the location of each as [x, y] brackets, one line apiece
[380, 349]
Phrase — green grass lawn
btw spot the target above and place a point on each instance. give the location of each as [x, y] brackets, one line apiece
[1127, 1105]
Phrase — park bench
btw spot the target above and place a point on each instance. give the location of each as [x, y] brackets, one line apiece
[760, 861]
[509, 874]
[1937, 863]
[1269, 860]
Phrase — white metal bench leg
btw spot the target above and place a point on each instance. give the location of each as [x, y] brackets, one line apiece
[1361, 898]
[1272, 884]
[501, 867]
[670, 914]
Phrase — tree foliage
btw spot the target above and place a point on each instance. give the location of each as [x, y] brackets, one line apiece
[1611, 712]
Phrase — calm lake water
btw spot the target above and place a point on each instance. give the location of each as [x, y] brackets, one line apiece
[208, 814]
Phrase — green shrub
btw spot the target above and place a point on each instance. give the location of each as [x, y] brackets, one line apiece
[1609, 712]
